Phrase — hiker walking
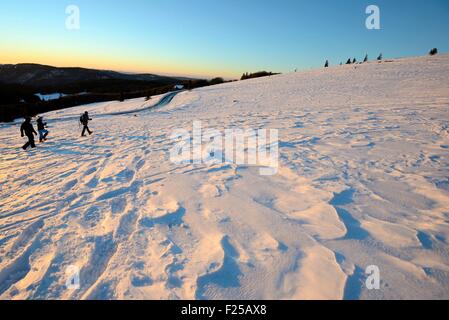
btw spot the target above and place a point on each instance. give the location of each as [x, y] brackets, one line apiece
[43, 133]
[85, 121]
[27, 129]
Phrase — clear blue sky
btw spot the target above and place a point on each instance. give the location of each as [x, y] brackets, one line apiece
[222, 38]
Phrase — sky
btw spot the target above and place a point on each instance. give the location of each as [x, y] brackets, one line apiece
[209, 38]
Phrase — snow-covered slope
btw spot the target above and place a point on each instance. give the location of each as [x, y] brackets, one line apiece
[363, 180]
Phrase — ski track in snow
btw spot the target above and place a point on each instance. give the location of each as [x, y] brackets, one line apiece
[363, 180]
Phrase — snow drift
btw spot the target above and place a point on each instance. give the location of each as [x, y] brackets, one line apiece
[362, 181]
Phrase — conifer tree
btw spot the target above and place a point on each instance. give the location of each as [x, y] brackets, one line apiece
[433, 52]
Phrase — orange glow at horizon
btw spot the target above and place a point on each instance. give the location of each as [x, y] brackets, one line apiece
[109, 62]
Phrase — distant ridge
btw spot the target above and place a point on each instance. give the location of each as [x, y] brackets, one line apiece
[37, 75]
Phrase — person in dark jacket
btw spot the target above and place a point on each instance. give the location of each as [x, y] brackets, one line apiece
[43, 133]
[85, 121]
[28, 130]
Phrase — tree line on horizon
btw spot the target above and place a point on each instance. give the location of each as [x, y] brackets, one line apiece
[354, 60]
[432, 52]
[258, 74]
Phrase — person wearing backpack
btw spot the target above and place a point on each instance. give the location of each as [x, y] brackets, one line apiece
[85, 121]
[43, 133]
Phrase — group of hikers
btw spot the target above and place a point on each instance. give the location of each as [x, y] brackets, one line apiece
[27, 129]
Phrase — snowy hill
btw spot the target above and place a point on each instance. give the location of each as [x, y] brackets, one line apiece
[362, 181]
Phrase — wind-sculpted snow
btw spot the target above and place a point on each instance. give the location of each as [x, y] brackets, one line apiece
[362, 181]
